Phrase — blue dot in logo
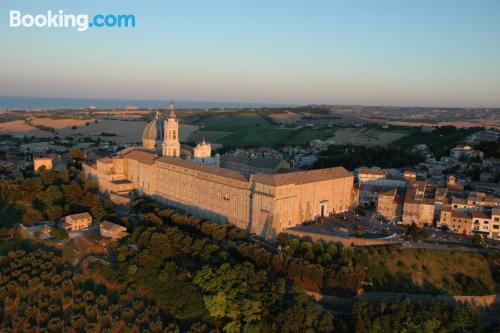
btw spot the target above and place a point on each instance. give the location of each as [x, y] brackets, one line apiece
[91, 24]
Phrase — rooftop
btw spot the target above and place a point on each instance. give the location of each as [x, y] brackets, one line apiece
[203, 168]
[267, 163]
[480, 215]
[78, 216]
[302, 177]
[369, 171]
[143, 156]
[106, 225]
[460, 214]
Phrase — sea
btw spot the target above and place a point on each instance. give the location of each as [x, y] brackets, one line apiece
[40, 103]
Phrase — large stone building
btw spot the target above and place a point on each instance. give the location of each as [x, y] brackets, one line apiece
[260, 203]
[248, 166]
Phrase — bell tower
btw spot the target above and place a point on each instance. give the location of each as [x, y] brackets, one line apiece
[171, 144]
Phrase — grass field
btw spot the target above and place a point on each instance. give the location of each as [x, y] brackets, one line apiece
[433, 271]
[250, 129]
[366, 137]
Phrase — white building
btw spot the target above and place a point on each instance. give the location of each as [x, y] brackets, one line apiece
[481, 223]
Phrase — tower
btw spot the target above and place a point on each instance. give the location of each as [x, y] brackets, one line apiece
[171, 145]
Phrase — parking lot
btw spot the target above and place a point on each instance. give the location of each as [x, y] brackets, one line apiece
[367, 226]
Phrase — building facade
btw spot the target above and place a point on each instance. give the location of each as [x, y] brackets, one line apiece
[77, 222]
[389, 207]
[260, 203]
[461, 222]
[495, 223]
[46, 162]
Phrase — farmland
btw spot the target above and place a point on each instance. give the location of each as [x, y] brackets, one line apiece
[366, 136]
[247, 129]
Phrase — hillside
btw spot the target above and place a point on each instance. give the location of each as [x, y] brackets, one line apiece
[433, 271]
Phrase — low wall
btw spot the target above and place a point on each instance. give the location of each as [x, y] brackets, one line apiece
[346, 241]
[489, 303]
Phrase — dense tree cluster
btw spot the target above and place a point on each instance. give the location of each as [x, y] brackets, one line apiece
[439, 141]
[198, 270]
[404, 316]
[53, 194]
[39, 292]
[312, 266]
[490, 148]
[194, 270]
[352, 157]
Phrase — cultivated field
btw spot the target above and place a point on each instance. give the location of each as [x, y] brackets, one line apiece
[495, 123]
[252, 129]
[127, 131]
[366, 137]
[285, 118]
[19, 127]
[210, 136]
[60, 123]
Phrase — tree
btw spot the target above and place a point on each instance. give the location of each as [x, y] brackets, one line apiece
[54, 213]
[73, 193]
[58, 233]
[414, 232]
[32, 216]
[77, 155]
[477, 241]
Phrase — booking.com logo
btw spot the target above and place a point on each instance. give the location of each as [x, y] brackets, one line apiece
[81, 22]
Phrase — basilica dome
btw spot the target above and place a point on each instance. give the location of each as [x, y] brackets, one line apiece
[151, 130]
[153, 133]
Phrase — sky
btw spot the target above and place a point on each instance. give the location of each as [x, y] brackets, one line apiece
[400, 52]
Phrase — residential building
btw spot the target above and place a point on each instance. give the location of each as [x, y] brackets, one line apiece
[77, 222]
[112, 230]
[486, 135]
[367, 174]
[464, 152]
[445, 217]
[481, 223]
[495, 223]
[389, 205]
[418, 209]
[45, 162]
[461, 222]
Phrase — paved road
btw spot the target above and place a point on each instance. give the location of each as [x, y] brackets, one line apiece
[371, 227]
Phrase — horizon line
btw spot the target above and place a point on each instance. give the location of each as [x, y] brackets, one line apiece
[273, 104]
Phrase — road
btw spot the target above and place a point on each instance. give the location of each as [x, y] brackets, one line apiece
[368, 226]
